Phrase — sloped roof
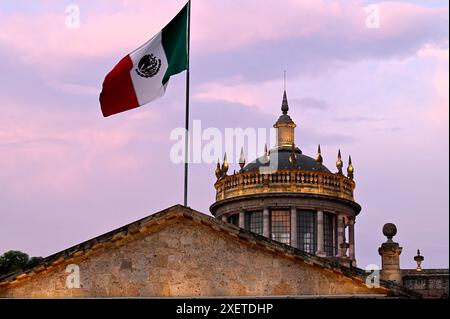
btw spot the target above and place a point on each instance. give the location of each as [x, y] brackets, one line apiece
[179, 211]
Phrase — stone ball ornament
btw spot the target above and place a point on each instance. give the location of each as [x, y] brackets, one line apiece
[389, 230]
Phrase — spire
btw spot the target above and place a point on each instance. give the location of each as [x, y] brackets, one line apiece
[319, 157]
[285, 126]
[242, 158]
[284, 104]
[218, 170]
[350, 169]
[339, 163]
[225, 165]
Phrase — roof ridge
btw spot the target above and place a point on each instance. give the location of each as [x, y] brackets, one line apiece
[95, 240]
[179, 210]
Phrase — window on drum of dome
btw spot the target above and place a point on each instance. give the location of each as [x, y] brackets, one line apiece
[328, 237]
[254, 222]
[234, 219]
[306, 231]
[281, 225]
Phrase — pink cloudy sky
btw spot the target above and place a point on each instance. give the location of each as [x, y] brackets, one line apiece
[67, 174]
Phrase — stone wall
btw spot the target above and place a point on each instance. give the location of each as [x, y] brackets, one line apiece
[182, 257]
[431, 283]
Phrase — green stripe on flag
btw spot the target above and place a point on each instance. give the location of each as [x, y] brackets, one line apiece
[174, 41]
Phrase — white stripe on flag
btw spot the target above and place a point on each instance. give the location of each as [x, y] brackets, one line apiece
[149, 88]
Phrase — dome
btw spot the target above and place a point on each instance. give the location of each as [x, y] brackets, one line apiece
[281, 159]
[290, 197]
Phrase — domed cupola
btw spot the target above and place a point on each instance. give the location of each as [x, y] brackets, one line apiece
[291, 197]
[285, 126]
[285, 155]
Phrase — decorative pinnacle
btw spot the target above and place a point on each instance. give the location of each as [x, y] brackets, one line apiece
[319, 157]
[218, 170]
[389, 230]
[339, 163]
[225, 165]
[419, 260]
[293, 156]
[284, 104]
[242, 158]
[265, 158]
[350, 168]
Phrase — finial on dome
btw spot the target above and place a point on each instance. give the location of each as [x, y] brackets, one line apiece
[350, 169]
[284, 104]
[225, 165]
[265, 158]
[339, 163]
[285, 126]
[319, 157]
[218, 170]
[242, 158]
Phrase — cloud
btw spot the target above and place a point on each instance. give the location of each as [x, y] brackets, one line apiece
[309, 103]
[255, 42]
[42, 40]
[227, 93]
[73, 88]
[49, 152]
[310, 40]
[359, 119]
[30, 142]
[439, 110]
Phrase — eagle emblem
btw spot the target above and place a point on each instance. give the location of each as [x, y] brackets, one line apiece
[148, 66]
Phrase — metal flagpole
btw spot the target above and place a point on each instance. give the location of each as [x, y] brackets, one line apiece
[186, 133]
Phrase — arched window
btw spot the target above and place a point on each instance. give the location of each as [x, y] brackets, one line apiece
[306, 231]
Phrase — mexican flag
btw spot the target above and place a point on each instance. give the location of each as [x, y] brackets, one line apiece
[142, 76]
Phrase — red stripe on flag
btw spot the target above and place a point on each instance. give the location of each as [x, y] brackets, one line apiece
[118, 93]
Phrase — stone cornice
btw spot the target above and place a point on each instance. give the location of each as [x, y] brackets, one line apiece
[291, 196]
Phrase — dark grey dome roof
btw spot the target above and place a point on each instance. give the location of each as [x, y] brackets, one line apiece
[280, 160]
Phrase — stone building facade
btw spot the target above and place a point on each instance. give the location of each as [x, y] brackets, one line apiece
[181, 252]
